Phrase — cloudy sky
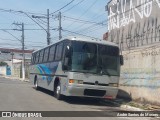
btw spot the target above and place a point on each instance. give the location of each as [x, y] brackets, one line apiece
[84, 17]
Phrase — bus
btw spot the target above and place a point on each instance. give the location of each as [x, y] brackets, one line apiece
[78, 66]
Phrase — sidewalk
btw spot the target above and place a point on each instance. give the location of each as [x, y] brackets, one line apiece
[131, 105]
[16, 78]
[142, 106]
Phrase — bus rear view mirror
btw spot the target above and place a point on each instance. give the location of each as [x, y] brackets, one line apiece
[121, 60]
[65, 64]
[66, 61]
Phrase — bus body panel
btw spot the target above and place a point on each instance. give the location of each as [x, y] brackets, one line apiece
[94, 85]
[89, 83]
[89, 80]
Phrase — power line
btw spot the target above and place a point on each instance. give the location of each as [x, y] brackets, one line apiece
[73, 6]
[84, 21]
[34, 20]
[79, 34]
[13, 40]
[94, 25]
[84, 12]
[28, 29]
[9, 44]
[12, 35]
[40, 21]
[93, 29]
[62, 7]
[15, 11]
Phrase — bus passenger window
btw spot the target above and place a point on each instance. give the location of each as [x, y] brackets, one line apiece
[51, 53]
[59, 50]
[46, 52]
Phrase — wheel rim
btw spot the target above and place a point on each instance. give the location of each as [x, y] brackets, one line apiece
[58, 90]
[36, 84]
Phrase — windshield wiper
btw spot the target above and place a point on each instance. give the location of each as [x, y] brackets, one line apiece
[105, 72]
[83, 71]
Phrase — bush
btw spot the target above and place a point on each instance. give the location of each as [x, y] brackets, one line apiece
[3, 64]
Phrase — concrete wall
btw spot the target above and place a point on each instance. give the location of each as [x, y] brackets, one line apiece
[3, 70]
[135, 26]
[140, 76]
[17, 70]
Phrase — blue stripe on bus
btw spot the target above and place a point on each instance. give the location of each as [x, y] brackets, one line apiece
[46, 70]
[43, 69]
[41, 72]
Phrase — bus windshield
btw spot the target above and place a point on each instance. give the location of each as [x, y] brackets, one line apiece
[94, 58]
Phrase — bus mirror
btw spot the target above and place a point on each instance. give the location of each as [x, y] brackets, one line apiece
[66, 61]
[67, 51]
[121, 60]
[65, 64]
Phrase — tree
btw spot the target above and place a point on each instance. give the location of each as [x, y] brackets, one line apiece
[3, 64]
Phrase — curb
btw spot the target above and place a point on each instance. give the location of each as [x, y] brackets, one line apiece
[16, 78]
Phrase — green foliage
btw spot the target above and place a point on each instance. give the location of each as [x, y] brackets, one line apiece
[3, 64]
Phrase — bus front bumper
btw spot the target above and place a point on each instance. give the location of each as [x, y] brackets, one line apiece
[92, 91]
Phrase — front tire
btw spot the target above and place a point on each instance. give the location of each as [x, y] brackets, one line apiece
[36, 83]
[57, 91]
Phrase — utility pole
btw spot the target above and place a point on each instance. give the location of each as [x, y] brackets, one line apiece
[23, 60]
[47, 30]
[12, 64]
[60, 25]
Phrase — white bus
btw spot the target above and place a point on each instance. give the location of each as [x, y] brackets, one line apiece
[78, 66]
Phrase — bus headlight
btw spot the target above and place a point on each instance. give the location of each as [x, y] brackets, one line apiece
[71, 81]
[113, 84]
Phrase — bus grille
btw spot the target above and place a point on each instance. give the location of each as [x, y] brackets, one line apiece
[91, 92]
[100, 84]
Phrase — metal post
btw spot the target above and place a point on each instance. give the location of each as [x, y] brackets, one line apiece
[12, 64]
[47, 30]
[60, 27]
[23, 61]
[22, 41]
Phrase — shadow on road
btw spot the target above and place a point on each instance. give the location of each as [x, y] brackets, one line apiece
[94, 102]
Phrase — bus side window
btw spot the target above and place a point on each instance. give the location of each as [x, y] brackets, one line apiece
[32, 59]
[41, 56]
[46, 53]
[51, 53]
[37, 57]
[59, 50]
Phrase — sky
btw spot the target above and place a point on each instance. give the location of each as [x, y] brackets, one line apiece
[80, 17]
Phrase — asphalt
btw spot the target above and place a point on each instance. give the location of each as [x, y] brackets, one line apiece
[119, 102]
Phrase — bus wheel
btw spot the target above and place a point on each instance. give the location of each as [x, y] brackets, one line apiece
[57, 91]
[36, 84]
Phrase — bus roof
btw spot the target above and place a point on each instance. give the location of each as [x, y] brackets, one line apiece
[84, 39]
[92, 40]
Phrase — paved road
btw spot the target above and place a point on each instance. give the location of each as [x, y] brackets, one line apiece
[16, 95]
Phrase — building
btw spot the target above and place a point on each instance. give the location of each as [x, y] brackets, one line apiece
[105, 36]
[135, 26]
[13, 57]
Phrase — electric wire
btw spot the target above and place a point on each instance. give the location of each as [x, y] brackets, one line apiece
[73, 6]
[62, 7]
